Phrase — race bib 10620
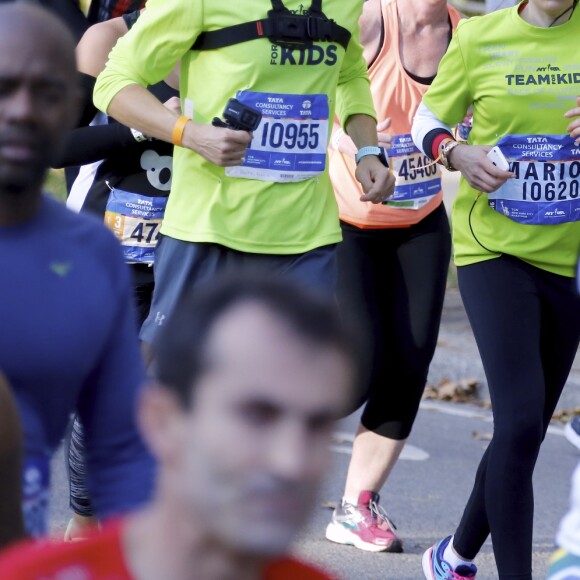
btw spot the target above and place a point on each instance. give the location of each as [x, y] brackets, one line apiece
[546, 188]
[290, 143]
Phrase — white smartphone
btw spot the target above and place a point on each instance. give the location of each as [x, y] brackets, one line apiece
[498, 159]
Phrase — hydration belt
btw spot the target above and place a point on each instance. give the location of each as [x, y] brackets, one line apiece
[282, 27]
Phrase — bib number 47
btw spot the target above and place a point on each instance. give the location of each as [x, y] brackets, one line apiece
[144, 232]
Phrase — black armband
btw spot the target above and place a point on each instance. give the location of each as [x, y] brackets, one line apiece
[434, 137]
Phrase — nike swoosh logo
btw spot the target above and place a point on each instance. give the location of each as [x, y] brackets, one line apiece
[60, 268]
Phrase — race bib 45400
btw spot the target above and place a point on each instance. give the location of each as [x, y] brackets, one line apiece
[546, 188]
[418, 178]
[290, 143]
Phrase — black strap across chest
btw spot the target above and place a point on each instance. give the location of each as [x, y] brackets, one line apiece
[280, 27]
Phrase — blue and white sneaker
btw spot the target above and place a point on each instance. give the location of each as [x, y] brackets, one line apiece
[436, 568]
[564, 566]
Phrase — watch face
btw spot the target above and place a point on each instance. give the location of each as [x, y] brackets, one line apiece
[383, 157]
[445, 150]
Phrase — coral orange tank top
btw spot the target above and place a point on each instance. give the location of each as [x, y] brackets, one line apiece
[396, 95]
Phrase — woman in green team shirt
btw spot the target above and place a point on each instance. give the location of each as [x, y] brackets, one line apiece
[516, 233]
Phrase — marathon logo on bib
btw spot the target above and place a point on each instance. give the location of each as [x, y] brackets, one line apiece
[290, 143]
[135, 220]
[546, 188]
[418, 180]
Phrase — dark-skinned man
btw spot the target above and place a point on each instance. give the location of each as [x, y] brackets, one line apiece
[68, 335]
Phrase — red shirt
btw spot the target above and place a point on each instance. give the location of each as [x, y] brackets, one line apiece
[101, 558]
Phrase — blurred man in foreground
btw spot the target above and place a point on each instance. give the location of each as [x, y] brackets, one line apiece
[250, 376]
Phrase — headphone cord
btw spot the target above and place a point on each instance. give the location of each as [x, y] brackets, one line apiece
[479, 194]
[571, 7]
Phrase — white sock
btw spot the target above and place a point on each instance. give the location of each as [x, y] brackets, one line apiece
[349, 500]
[451, 557]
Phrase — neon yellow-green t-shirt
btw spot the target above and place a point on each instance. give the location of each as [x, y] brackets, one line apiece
[521, 79]
[206, 204]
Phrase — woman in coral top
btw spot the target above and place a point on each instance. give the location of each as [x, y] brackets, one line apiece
[394, 258]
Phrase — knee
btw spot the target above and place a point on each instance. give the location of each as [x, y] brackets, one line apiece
[521, 434]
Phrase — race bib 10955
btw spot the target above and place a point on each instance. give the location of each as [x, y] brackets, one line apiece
[290, 143]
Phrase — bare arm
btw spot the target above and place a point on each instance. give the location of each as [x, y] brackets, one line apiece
[221, 146]
[128, 105]
[11, 521]
[93, 49]
[370, 24]
[376, 180]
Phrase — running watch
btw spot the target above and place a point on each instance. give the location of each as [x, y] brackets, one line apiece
[379, 152]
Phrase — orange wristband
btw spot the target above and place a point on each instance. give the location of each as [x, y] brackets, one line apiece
[178, 129]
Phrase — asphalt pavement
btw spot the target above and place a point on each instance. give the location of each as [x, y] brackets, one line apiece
[427, 492]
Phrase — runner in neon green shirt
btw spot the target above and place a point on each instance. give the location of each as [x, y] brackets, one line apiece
[269, 195]
[520, 91]
[516, 233]
[206, 205]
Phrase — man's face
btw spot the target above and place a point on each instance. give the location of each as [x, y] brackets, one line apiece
[38, 103]
[254, 445]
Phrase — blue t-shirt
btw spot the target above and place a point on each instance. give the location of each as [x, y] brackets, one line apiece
[68, 342]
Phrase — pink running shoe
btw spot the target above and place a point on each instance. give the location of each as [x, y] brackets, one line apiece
[365, 526]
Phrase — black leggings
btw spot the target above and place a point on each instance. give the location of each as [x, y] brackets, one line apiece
[79, 499]
[393, 281]
[526, 322]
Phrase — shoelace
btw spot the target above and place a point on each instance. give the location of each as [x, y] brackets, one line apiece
[377, 511]
[445, 572]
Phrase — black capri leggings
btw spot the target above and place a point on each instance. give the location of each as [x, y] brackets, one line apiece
[79, 499]
[526, 322]
[79, 502]
[393, 281]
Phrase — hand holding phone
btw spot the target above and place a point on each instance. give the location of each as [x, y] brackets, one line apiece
[498, 159]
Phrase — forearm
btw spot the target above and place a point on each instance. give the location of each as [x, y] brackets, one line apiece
[89, 144]
[362, 129]
[89, 110]
[428, 131]
[134, 106]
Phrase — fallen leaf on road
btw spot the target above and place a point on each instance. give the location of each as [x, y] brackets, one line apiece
[565, 415]
[482, 436]
[329, 505]
[462, 391]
